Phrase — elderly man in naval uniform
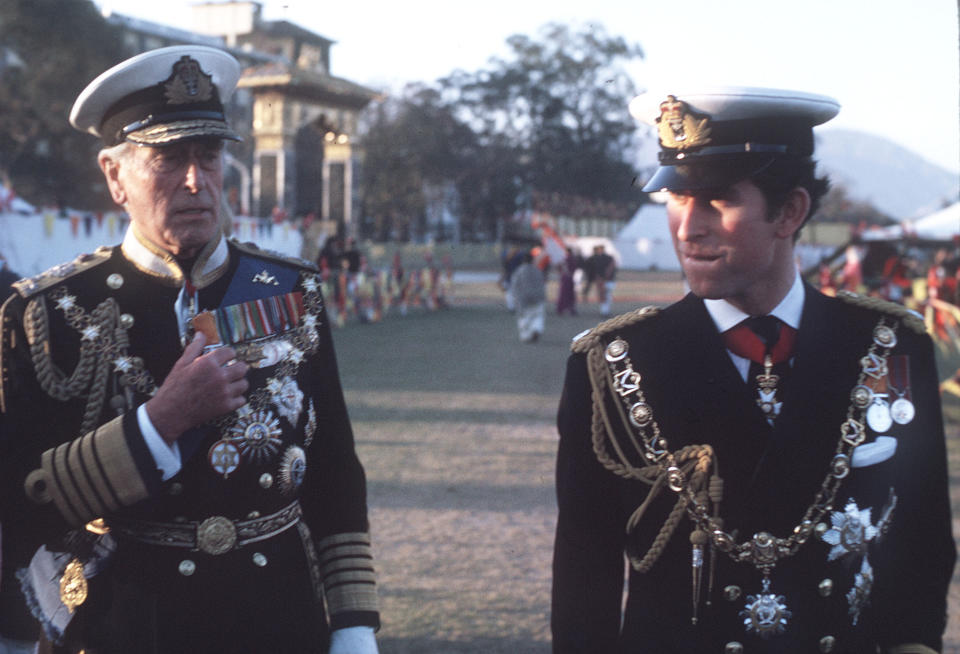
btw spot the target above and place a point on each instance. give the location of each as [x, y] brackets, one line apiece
[176, 455]
[769, 461]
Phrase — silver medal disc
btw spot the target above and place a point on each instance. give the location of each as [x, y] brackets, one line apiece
[902, 411]
[878, 416]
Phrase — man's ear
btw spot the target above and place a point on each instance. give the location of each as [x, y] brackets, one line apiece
[110, 166]
[793, 212]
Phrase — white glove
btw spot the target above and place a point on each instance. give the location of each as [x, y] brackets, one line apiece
[353, 640]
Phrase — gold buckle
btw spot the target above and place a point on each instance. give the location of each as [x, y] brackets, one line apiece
[216, 535]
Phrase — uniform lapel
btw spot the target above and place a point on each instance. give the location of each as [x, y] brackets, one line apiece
[714, 407]
[815, 396]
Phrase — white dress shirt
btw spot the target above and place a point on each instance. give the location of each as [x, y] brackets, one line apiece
[726, 316]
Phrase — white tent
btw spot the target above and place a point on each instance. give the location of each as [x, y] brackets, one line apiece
[645, 243]
[942, 225]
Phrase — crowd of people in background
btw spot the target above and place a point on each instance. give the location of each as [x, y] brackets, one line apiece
[357, 291]
[925, 282]
[525, 274]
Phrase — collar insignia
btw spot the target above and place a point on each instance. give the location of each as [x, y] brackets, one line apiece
[188, 83]
[679, 128]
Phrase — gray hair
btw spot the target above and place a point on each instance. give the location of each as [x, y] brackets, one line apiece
[118, 152]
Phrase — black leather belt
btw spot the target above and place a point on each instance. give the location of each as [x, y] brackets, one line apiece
[215, 535]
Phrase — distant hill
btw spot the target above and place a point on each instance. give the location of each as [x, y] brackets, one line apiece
[895, 180]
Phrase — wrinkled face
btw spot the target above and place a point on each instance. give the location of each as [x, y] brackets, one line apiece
[172, 193]
[726, 246]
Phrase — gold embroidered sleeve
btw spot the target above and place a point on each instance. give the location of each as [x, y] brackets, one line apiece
[90, 476]
[911, 648]
[346, 567]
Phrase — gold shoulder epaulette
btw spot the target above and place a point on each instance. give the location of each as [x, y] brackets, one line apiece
[29, 286]
[586, 340]
[253, 248]
[911, 319]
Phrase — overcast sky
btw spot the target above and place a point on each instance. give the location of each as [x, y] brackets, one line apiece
[894, 66]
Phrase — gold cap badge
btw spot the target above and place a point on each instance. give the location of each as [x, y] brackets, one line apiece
[188, 83]
[678, 128]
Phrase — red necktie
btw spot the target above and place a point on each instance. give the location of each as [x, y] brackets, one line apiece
[758, 336]
[757, 339]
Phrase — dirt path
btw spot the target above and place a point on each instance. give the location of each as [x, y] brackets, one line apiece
[455, 425]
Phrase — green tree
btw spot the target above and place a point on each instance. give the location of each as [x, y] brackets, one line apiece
[51, 49]
[410, 142]
[559, 104]
[551, 120]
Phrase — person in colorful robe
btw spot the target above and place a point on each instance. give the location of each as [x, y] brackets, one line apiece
[769, 460]
[178, 464]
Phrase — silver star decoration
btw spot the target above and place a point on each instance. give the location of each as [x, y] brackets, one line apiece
[309, 321]
[296, 355]
[288, 399]
[66, 302]
[851, 531]
[311, 284]
[91, 332]
[123, 364]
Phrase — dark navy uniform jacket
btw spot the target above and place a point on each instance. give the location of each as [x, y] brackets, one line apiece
[770, 475]
[83, 346]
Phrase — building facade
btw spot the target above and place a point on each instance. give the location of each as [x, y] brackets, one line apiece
[299, 153]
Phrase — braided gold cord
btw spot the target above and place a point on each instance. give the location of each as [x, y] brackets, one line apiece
[694, 461]
[592, 338]
[52, 380]
[910, 319]
[103, 342]
[696, 491]
[96, 398]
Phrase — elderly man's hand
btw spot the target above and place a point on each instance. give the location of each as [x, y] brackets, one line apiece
[198, 388]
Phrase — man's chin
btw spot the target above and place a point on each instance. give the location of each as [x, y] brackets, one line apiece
[189, 243]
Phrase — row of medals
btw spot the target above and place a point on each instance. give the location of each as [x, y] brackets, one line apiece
[881, 415]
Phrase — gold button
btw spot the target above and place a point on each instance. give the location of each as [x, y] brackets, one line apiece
[827, 643]
[115, 281]
[266, 480]
[733, 647]
[253, 515]
[36, 487]
[187, 567]
[825, 587]
[126, 320]
[259, 560]
[175, 488]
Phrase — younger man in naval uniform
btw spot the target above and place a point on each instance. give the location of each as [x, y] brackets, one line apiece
[175, 437]
[770, 460]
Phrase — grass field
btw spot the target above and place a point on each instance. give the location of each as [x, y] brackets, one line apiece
[454, 419]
